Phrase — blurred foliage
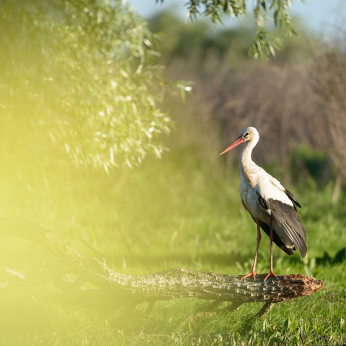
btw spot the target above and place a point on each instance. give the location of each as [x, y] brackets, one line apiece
[198, 48]
[80, 73]
[327, 111]
[312, 162]
[263, 44]
[195, 44]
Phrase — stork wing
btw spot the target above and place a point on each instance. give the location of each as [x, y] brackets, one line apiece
[289, 194]
[274, 198]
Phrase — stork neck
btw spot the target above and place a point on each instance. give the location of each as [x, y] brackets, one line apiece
[247, 167]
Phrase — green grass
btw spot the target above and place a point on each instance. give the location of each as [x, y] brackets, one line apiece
[181, 211]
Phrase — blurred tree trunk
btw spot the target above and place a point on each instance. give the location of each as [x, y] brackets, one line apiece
[337, 188]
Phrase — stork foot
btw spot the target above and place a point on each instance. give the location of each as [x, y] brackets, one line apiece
[270, 274]
[253, 274]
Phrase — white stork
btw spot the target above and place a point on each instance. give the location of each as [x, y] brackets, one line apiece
[271, 206]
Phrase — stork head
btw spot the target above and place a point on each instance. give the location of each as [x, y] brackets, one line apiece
[250, 134]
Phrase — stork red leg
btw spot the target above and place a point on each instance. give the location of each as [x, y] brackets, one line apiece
[271, 273]
[253, 273]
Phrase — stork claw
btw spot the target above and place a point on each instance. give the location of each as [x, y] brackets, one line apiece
[270, 274]
[253, 274]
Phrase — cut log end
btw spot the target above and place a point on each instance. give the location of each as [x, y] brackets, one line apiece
[288, 286]
[303, 285]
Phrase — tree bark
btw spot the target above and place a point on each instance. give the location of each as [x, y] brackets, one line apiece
[169, 284]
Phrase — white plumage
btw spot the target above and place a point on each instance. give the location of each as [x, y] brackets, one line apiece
[271, 206]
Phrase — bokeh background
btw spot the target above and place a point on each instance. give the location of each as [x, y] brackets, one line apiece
[105, 146]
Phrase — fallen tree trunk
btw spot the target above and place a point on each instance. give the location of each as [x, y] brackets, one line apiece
[169, 284]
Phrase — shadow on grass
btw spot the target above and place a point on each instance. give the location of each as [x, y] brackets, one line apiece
[326, 259]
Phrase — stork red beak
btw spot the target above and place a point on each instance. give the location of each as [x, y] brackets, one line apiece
[238, 141]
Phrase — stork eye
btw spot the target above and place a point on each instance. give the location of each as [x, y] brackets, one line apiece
[246, 134]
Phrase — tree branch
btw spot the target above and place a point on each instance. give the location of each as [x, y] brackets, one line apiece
[169, 284]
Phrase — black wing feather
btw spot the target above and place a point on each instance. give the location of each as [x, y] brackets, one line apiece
[292, 198]
[287, 218]
[266, 228]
